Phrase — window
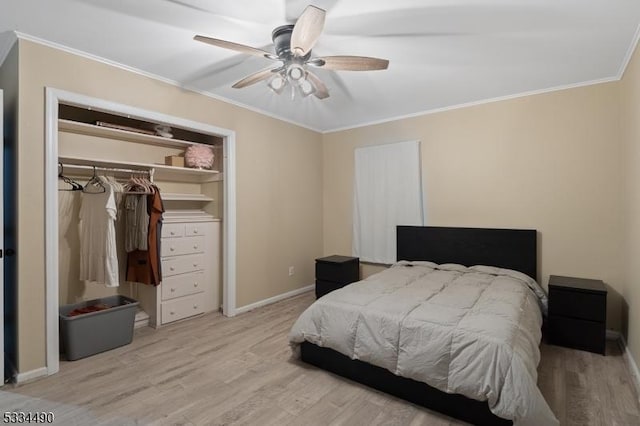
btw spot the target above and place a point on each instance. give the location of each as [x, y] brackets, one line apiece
[387, 192]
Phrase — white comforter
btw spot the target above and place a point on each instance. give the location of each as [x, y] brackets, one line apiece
[471, 331]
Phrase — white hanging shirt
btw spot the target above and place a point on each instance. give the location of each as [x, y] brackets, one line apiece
[98, 252]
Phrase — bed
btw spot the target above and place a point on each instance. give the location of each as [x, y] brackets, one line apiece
[439, 328]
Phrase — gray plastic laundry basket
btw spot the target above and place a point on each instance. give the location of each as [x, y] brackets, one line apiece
[91, 333]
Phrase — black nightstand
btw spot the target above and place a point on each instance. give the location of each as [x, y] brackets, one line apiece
[334, 272]
[577, 313]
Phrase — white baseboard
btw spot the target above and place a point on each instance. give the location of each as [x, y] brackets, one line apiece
[613, 335]
[32, 374]
[274, 299]
[635, 372]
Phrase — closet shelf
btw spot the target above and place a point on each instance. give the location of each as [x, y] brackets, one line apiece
[169, 196]
[161, 172]
[80, 128]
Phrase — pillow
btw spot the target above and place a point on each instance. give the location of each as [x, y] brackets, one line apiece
[416, 263]
[452, 267]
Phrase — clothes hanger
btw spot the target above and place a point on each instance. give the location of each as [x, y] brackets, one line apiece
[147, 183]
[94, 182]
[137, 186]
[111, 180]
[75, 186]
[144, 182]
[132, 184]
[140, 183]
[107, 181]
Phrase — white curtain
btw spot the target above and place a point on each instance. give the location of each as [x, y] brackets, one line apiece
[387, 192]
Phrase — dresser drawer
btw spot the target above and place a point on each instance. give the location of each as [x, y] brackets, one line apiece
[324, 287]
[182, 264]
[579, 334]
[184, 307]
[342, 273]
[172, 230]
[194, 229]
[180, 246]
[182, 285]
[576, 304]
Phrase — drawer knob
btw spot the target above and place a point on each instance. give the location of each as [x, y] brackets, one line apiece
[172, 248]
[195, 265]
[172, 313]
[195, 284]
[195, 231]
[171, 268]
[172, 289]
[195, 246]
[172, 233]
[195, 306]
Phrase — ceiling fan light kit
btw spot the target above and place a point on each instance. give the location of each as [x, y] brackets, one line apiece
[293, 45]
[277, 83]
[307, 88]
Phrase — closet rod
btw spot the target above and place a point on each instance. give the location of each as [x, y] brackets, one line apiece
[108, 169]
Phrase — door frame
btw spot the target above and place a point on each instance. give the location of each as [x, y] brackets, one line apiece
[55, 97]
[2, 236]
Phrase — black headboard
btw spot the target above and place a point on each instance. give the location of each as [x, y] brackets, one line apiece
[505, 248]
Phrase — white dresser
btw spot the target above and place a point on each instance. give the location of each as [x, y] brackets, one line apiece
[190, 263]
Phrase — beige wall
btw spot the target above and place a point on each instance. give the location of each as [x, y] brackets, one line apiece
[9, 80]
[551, 162]
[630, 120]
[279, 182]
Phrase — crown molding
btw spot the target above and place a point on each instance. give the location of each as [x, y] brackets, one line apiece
[629, 54]
[475, 103]
[73, 51]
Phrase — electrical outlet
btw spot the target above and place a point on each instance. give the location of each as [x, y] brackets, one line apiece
[291, 270]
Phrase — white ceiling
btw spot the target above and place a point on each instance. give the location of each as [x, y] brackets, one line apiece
[442, 53]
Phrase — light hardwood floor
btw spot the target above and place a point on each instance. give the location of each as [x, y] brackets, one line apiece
[218, 370]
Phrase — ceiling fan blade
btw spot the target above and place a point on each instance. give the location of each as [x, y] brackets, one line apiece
[307, 30]
[321, 90]
[294, 8]
[253, 78]
[235, 46]
[350, 63]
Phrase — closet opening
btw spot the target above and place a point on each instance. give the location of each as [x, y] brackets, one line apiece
[181, 173]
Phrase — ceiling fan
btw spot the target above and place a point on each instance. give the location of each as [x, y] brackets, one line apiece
[293, 44]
